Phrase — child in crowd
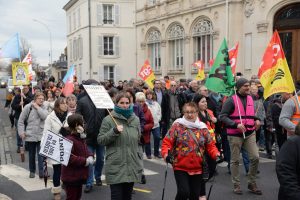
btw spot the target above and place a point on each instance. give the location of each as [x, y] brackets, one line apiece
[76, 173]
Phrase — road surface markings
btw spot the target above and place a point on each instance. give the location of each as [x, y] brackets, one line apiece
[21, 176]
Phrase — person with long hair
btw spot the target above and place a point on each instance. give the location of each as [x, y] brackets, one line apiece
[120, 133]
[54, 122]
[184, 147]
[75, 174]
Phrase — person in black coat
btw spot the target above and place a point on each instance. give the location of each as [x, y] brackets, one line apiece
[93, 118]
[288, 168]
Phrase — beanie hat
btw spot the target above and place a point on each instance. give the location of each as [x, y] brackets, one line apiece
[240, 82]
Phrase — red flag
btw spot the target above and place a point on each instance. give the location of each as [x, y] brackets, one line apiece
[211, 62]
[233, 52]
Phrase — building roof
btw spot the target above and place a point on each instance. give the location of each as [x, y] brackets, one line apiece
[69, 4]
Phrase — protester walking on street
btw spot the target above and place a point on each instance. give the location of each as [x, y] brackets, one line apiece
[287, 168]
[123, 155]
[76, 173]
[92, 117]
[54, 122]
[30, 129]
[187, 141]
[238, 115]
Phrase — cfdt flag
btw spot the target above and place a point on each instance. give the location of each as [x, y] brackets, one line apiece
[68, 80]
[147, 74]
[11, 49]
[233, 52]
[274, 73]
[220, 78]
[200, 66]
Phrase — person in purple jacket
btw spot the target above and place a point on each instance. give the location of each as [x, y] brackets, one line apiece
[75, 174]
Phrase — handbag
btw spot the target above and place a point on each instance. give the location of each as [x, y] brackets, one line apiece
[208, 164]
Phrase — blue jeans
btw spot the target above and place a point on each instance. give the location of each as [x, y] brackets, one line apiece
[19, 139]
[33, 149]
[97, 170]
[156, 138]
[56, 175]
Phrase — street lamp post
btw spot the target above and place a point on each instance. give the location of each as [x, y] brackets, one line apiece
[45, 25]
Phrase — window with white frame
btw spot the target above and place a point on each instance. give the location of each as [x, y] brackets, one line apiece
[202, 33]
[153, 42]
[108, 46]
[109, 72]
[108, 14]
[175, 36]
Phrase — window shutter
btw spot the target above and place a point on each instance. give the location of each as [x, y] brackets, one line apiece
[117, 45]
[100, 45]
[99, 14]
[117, 14]
[101, 73]
[117, 74]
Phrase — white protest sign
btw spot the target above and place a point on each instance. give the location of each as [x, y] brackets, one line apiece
[99, 96]
[56, 147]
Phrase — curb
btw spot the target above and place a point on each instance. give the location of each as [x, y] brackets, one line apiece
[4, 197]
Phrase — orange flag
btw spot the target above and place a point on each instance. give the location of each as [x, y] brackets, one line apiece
[233, 52]
[274, 73]
[200, 66]
[147, 74]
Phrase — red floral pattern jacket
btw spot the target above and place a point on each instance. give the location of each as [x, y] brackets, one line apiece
[186, 152]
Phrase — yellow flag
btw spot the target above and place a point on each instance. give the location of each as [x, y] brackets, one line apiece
[274, 73]
[200, 66]
[20, 73]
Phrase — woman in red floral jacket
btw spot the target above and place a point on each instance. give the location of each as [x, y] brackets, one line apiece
[187, 164]
[76, 173]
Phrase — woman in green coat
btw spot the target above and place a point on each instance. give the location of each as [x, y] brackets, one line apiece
[123, 160]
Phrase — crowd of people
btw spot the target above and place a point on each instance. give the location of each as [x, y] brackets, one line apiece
[192, 129]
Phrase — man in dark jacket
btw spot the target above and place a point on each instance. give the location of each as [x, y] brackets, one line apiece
[93, 118]
[288, 168]
[21, 99]
[171, 107]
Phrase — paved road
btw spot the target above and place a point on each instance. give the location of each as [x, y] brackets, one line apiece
[14, 181]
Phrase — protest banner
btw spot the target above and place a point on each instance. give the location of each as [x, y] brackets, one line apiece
[20, 73]
[147, 74]
[56, 147]
[99, 96]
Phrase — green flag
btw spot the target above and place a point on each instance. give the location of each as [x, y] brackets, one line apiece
[220, 78]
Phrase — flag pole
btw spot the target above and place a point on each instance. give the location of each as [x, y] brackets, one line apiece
[112, 117]
[239, 112]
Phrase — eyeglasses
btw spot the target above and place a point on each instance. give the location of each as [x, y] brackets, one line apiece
[173, 85]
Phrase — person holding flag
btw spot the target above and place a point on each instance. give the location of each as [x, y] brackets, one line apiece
[239, 117]
[275, 77]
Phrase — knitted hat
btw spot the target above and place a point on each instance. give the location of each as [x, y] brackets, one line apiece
[240, 82]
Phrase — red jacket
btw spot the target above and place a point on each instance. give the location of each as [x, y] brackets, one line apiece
[185, 155]
[76, 173]
[149, 123]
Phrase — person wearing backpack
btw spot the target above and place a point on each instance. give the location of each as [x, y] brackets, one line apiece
[30, 128]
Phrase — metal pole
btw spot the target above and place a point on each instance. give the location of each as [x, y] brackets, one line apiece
[45, 25]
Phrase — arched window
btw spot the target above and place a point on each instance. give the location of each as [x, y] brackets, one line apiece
[175, 35]
[202, 41]
[153, 43]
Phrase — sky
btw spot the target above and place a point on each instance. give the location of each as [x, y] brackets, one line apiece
[16, 16]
